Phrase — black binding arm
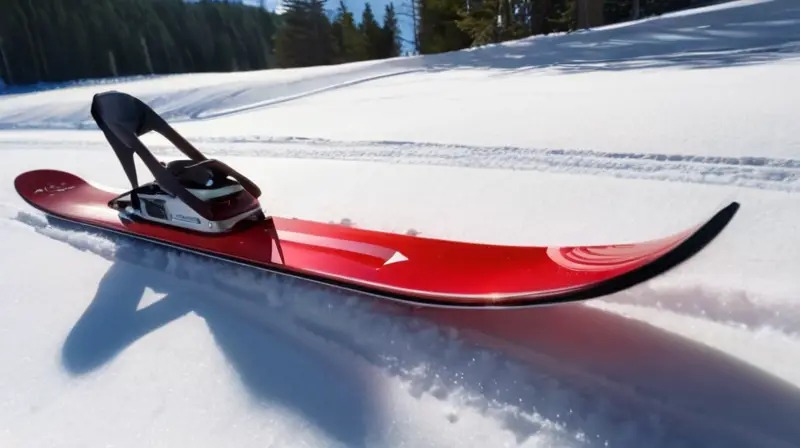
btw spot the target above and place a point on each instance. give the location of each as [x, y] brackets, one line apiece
[123, 118]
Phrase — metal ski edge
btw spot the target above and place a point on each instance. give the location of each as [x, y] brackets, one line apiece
[704, 234]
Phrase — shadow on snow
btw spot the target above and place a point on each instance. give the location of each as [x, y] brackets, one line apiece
[271, 364]
[728, 35]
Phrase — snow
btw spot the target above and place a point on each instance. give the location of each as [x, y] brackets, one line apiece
[620, 134]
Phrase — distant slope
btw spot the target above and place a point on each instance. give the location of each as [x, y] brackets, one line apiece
[744, 32]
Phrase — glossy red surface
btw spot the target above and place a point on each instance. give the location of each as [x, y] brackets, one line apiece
[454, 272]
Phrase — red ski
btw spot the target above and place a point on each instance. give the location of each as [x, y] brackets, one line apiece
[204, 206]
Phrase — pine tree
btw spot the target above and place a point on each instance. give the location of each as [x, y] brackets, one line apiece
[438, 31]
[290, 39]
[390, 34]
[479, 20]
[350, 43]
[306, 36]
[323, 50]
[371, 32]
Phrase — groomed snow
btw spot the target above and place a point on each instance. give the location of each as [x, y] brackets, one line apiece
[620, 134]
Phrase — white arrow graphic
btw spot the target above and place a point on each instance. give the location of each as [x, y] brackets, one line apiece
[389, 256]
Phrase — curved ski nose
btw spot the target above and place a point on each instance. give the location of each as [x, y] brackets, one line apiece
[45, 182]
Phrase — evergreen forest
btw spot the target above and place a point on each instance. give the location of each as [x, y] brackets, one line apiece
[64, 40]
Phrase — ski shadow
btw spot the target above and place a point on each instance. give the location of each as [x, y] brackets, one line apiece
[273, 365]
[699, 395]
[729, 35]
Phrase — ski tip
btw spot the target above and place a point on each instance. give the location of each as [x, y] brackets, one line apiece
[695, 242]
[721, 218]
[731, 208]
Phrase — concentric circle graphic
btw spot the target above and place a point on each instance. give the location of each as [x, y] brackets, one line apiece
[607, 258]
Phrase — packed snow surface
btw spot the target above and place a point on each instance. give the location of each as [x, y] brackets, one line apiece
[614, 135]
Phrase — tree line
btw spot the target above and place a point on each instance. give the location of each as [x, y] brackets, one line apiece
[62, 40]
[448, 25]
[308, 36]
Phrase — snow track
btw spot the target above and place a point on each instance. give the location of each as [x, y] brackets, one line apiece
[760, 172]
[781, 174]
